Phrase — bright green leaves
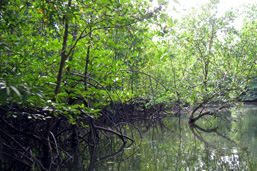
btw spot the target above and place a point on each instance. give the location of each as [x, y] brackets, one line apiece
[117, 51]
[203, 57]
[32, 42]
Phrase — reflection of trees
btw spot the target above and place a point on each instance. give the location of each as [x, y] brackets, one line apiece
[167, 145]
[94, 160]
[246, 129]
[197, 130]
[216, 158]
[147, 125]
[108, 150]
[224, 160]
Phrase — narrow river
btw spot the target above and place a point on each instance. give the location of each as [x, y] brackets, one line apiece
[220, 143]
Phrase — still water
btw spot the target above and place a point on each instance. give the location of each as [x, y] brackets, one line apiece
[228, 142]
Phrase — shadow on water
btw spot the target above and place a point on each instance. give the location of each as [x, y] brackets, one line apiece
[214, 143]
[110, 150]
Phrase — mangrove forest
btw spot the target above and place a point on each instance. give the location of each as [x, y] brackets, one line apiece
[125, 85]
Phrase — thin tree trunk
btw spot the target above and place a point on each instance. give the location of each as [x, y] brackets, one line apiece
[49, 122]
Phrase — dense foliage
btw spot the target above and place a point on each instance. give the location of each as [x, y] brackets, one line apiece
[73, 59]
[207, 59]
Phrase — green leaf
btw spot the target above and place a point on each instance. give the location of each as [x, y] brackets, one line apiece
[25, 97]
[16, 91]
[3, 96]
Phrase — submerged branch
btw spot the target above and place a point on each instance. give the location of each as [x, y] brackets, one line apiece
[209, 112]
[192, 119]
[116, 133]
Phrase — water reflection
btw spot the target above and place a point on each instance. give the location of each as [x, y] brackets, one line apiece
[222, 143]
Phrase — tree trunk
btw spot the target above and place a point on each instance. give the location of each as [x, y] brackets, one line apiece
[49, 122]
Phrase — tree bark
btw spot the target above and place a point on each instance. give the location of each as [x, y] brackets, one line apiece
[49, 122]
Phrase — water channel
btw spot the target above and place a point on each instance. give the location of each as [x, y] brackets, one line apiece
[220, 143]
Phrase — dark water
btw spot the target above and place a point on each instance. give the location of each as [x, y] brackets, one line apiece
[221, 143]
